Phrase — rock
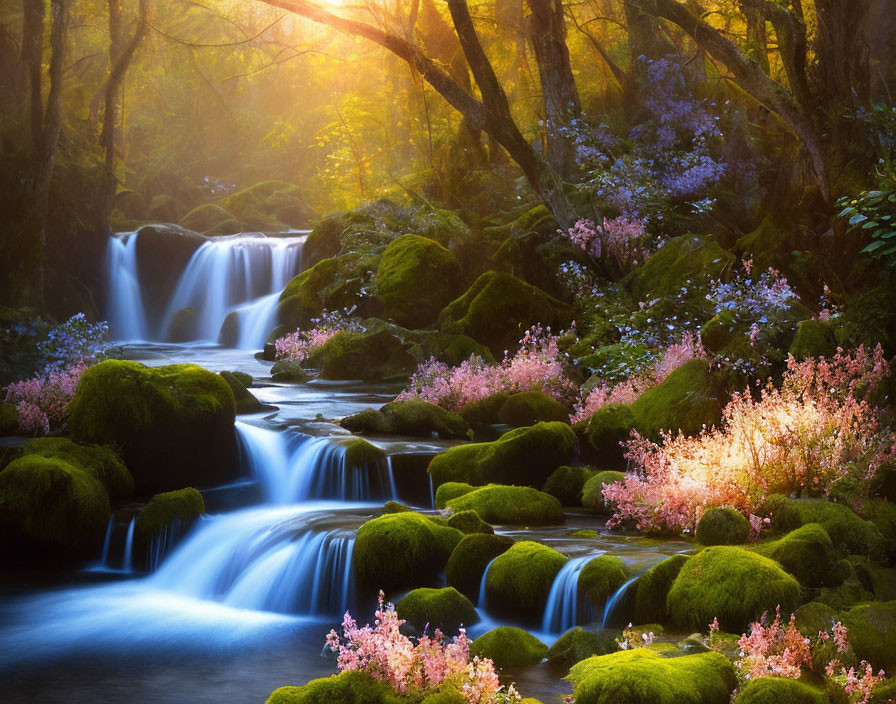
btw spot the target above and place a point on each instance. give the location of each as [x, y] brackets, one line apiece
[451, 490]
[428, 609]
[172, 424]
[227, 228]
[352, 686]
[722, 525]
[519, 580]
[808, 554]
[100, 462]
[164, 209]
[813, 339]
[410, 265]
[782, 513]
[395, 507]
[577, 644]
[652, 588]
[417, 550]
[531, 407]
[367, 356]
[592, 490]
[204, 217]
[244, 400]
[164, 510]
[469, 522]
[601, 578]
[361, 454]
[849, 533]
[470, 558]
[643, 675]
[882, 513]
[48, 504]
[872, 633]
[509, 647]
[566, 484]
[182, 327]
[258, 206]
[413, 417]
[323, 241]
[814, 617]
[732, 584]
[484, 412]
[606, 430]
[498, 309]
[684, 401]
[775, 690]
[522, 456]
[449, 349]
[514, 505]
[163, 252]
[288, 372]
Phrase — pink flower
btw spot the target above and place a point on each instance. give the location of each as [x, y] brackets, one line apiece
[42, 402]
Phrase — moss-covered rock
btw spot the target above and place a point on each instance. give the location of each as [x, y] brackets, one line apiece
[849, 533]
[606, 430]
[396, 507]
[417, 550]
[776, 690]
[446, 609]
[289, 372]
[413, 417]
[814, 617]
[409, 266]
[470, 558]
[449, 349]
[577, 644]
[592, 490]
[516, 505]
[360, 454]
[566, 484]
[182, 327]
[49, 504]
[808, 554]
[205, 217]
[9, 419]
[684, 401]
[469, 522]
[531, 407]
[719, 331]
[498, 309]
[872, 633]
[641, 675]
[509, 647]
[369, 356]
[722, 525]
[731, 584]
[486, 411]
[652, 588]
[451, 490]
[97, 460]
[601, 578]
[323, 241]
[353, 686]
[813, 339]
[171, 508]
[163, 208]
[782, 513]
[244, 400]
[446, 696]
[163, 252]
[519, 580]
[172, 424]
[883, 515]
[262, 204]
[522, 456]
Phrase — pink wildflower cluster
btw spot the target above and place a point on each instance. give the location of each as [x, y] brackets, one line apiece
[802, 437]
[858, 684]
[537, 365]
[628, 390]
[429, 664]
[299, 345]
[42, 401]
[621, 239]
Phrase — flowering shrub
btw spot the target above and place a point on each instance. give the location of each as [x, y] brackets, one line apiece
[42, 402]
[815, 429]
[75, 340]
[622, 240]
[299, 345]
[634, 638]
[537, 365]
[409, 667]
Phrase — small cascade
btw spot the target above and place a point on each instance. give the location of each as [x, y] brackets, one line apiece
[164, 542]
[124, 304]
[256, 320]
[118, 546]
[563, 610]
[481, 599]
[613, 601]
[107, 542]
[127, 563]
[432, 492]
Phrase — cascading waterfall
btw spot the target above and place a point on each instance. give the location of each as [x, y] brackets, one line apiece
[128, 562]
[613, 601]
[481, 599]
[163, 543]
[562, 611]
[127, 319]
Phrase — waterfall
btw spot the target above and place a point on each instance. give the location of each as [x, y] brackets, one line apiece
[480, 601]
[162, 543]
[613, 600]
[562, 610]
[104, 559]
[124, 302]
[128, 562]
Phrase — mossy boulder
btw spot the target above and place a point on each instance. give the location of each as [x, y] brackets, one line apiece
[49, 504]
[363, 355]
[808, 554]
[732, 584]
[165, 510]
[872, 633]
[173, 425]
[566, 484]
[289, 372]
[97, 460]
[519, 580]
[722, 525]
[685, 401]
[182, 327]
[469, 522]
[516, 505]
[641, 675]
[577, 644]
[776, 690]
[605, 432]
[814, 617]
[354, 686]
[883, 515]
[531, 407]
[470, 558]
[205, 217]
[412, 417]
[451, 490]
[9, 419]
[163, 252]
[719, 331]
[361, 454]
[849, 533]
[680, 260]
[509, 647]
[323, 242]
[498, 309]
[262, 204]
[447, 348]
[813, 339]
[244, 400]
[485, 411]
[601, 578]
[652, 588]
[411, 265]
[592, 490]
[446, 609]
[402, 550]
[522, 456]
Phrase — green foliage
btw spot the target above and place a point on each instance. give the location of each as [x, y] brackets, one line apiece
[514, 505]
[509, 647]
[446, 609]
[873, 213]
[722, 525]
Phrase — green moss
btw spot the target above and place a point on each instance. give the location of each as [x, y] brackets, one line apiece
[883, 515]
[884, 693]
[509, 647]
[447, 696]
[450, 349]
[522, 456]
[257, 204]
[684, 401]
[286, 371]
[172, 424]
[97, 460]
[395, 507]
[577, 644]
[50, 504]
[641, 675]
[731, 584]
[355, 687]
[531, 407]
[413, 417]
[681, 259]
[592, 490]
[469, 522]
[775, 690]
[606, 429]
[844, 596]
[566, 484]
[402, 550]
[601, 578]
[9, 419]
[446, 609]
[813, 339]
[470, 558]
[722, 525]
[451, 490]
[872, 633]
[323, 241]
[719, 331]
[519, 580]
[814, 617]
[849, 533]
[244, 400]
[652, 588]
[485, 411]
[808, 554]
[410, 265]
[498, 308]
[163, 208]
[205, 217]
[182, 506]
[587, 533]
[514, 505]
[369, 356]
[782, 513]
